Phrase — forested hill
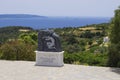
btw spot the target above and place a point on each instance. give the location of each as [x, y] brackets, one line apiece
[12, 32]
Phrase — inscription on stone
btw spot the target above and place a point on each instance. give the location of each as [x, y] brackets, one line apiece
[47, 60]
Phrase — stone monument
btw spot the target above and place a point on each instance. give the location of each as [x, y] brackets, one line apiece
[49, 51]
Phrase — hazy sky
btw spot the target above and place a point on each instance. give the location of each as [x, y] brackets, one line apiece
[92, 8]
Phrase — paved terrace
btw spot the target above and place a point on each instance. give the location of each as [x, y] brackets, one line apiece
[25, 70]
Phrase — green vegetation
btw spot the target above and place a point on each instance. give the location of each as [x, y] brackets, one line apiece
[11, 32]
[18, 43]
[16, 50]
[86, 58]
[114, 48]
[82, 45]
[29, 38]
[85, 45]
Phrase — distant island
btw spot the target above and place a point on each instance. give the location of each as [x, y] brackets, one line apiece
[20, 16]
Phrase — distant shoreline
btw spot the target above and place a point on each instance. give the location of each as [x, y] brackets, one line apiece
[40, 22]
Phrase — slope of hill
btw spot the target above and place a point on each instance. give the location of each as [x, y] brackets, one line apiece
[11, 32]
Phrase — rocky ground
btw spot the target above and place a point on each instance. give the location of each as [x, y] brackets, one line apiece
[25, 70]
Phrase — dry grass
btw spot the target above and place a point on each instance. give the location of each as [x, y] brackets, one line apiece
[87, 28]
[24, 30]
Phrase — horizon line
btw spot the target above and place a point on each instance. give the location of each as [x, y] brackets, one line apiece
[55, 16]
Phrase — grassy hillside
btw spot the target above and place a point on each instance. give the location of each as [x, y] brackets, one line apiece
[86, 36]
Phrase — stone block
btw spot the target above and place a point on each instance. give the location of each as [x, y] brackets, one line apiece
[49, 58]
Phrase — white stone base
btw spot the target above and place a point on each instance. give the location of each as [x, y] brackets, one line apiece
[49, 58]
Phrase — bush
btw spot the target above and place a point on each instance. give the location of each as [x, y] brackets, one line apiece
[86, 58]
[82, 42]
[87, 34]
[29, 38]
[114, 55]
[16, 50]
[99, 49]
[74, 48]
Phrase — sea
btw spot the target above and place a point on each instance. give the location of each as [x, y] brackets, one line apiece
[52, 22]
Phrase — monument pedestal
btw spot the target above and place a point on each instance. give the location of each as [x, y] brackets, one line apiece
[49, 58]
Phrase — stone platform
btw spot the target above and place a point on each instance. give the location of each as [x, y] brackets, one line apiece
[49, 58]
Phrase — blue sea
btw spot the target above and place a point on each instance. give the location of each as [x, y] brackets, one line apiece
[51, 22]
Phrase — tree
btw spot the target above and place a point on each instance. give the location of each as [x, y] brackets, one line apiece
[72, 40]
[30, 38]
[90, 42]
[114, 47]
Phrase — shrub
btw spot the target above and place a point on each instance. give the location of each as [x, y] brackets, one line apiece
[16, 50]
[114, 55]
[29, 38]
[74, 48]
[86, 58]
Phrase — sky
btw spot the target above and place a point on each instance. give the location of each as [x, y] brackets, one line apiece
[70, 8]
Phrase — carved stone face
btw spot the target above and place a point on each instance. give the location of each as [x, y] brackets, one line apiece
[48, 41]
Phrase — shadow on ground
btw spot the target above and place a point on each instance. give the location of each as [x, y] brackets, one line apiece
[116, 70]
